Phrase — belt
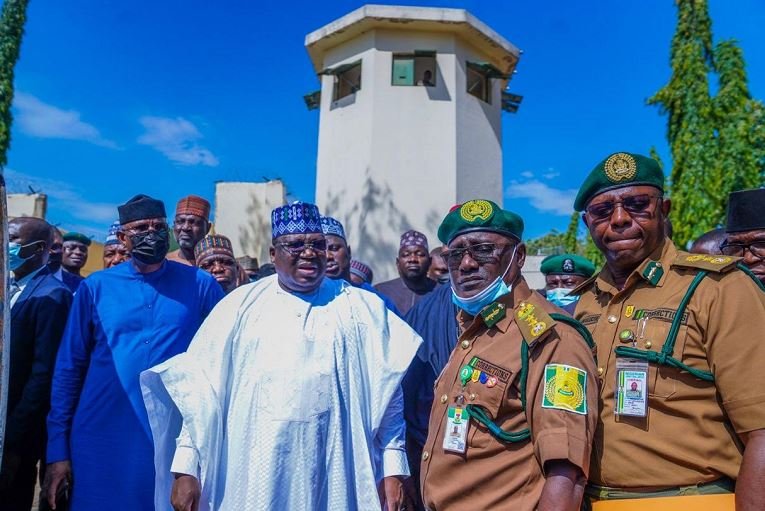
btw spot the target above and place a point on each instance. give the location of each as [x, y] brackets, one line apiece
[722, 485]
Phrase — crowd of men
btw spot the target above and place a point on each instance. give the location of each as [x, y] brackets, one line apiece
[193, 379]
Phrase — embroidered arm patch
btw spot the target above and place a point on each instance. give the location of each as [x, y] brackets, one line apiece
[565, 388]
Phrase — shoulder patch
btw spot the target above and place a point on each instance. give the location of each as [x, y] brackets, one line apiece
[532, 321]
[715, 263]
[565, 388]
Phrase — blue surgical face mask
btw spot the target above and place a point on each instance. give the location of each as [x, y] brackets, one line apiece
[488, 295]
[15, 261]
[560, 296]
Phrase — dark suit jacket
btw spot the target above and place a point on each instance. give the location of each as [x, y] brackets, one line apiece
[71, 280]
[37, 325]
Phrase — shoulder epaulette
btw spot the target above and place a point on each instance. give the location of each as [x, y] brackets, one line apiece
[715, 263]
[532, 321]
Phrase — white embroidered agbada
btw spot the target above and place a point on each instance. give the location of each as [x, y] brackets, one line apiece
[287, 401]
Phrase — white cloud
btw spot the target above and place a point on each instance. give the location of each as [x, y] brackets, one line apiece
[543, 197]
[527, 174]
[176, 139]
[550, 175]
[39, 119]
[63, 195]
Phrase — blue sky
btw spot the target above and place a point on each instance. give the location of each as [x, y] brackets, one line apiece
[116, 98]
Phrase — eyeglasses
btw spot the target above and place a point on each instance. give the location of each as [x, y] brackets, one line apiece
[634, 205]
[295, 248]
[480, 253]
[756, 248]
[142, 227]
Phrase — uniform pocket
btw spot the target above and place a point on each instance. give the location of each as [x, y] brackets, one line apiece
[662, 379]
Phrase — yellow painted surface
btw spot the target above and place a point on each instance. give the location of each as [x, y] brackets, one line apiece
[724, 502]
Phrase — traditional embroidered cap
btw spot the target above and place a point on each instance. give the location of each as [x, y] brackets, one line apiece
[76, 236]
[479, 215]
[331, 226]
[213, 244]
[141, 207]
[193, 205]
[567, 264]
[617, 171]
[746, 210]
[248, 263]
[414, 238]
[362, 271]
[111, 237]
[296, 218]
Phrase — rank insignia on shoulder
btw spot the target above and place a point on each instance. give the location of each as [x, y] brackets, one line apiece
[716, 263]
[565, 388]
[532, 322]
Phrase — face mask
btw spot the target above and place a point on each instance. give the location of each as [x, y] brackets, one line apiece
[15, 261]
[560, 296]
[490, 294]
[150, 247]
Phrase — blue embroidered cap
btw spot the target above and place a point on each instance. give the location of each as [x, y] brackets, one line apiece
[295, 218]
[111, 238]
[331, 226]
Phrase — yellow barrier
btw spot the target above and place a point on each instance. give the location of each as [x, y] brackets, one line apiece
[724, 502]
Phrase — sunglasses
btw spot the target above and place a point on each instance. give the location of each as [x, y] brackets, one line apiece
[295, 248]
[481, 253]
[757, 249]
[634, 205]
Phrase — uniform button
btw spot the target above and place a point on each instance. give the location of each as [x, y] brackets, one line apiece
[600, 371]
[472, 397]
[444, 399]
[465, 345]
[612, 319]
[648, 344]
[425, 456]
[300, 314]
[658, 265]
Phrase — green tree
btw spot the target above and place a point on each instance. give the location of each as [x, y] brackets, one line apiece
[717, 143]
[12, 19]
[571, 238]
[686, 101]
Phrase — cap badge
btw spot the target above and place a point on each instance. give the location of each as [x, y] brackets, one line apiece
[620, 167]
[474, 210]
[568, 265]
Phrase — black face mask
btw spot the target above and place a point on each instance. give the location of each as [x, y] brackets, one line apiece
[150, 247]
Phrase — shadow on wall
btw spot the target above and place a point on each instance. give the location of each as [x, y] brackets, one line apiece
[375, 223]
[255, 232]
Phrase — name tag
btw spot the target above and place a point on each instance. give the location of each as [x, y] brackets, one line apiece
[455, 433]
[631, 387]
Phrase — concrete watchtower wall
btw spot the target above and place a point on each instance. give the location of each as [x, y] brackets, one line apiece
[393, 157]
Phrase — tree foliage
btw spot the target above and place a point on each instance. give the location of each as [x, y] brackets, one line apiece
[12, 22]
[716, 141]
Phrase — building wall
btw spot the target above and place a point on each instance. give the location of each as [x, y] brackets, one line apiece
[27, 204]
[394, 158]
[243, 214]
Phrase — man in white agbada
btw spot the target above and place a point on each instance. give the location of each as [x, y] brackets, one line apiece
[288, 397]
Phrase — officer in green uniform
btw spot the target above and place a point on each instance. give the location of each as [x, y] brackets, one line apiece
[563, 273]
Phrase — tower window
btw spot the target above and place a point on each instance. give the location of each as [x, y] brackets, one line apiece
[347, 80]
[418, 68]
[479, 75]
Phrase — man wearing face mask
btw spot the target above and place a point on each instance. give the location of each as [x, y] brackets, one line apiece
[39, 307]
[562, 274]
[123, 320]
[515, 408]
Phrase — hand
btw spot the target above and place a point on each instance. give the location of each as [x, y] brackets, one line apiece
[393, 495]
[186, 493]
[58, 478]
[10, 464]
